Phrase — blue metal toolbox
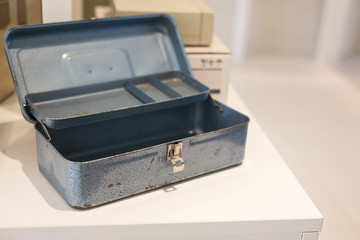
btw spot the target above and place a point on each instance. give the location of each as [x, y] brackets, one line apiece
[116, 109]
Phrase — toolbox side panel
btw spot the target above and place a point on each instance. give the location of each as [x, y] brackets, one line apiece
[64, 175]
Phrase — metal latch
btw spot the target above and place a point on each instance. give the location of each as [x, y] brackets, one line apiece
[174, 156]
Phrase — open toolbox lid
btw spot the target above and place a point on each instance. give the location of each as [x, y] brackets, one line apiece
[73, 73]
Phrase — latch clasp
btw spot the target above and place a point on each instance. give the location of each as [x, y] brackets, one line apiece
[174, 156]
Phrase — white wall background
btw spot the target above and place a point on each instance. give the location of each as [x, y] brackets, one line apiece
[284, 27]
[262, 27]
[325, 30]
[231, 24]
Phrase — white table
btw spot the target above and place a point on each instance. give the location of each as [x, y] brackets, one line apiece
[261, 199]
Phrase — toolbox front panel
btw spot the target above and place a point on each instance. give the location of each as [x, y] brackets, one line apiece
[88, 184]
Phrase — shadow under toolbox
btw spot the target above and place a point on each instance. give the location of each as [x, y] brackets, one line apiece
[116, 109]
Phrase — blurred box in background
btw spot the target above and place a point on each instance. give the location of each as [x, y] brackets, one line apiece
[8, 19]
[211, 66]
[194, 18]
[12, 13]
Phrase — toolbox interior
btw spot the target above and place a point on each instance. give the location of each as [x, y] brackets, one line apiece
[121, 135]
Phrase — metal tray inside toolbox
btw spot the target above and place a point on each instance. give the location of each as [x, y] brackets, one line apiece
[74, 73]
[98, 102]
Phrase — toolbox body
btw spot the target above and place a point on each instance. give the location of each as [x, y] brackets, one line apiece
[115, 107]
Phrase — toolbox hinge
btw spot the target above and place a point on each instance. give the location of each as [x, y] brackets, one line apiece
[174, 154]
[216, 104]
[45, 130]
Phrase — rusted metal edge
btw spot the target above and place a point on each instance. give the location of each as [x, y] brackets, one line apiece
[83, 207]
[228, 128]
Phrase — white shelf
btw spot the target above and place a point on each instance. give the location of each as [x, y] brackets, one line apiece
[310, 113]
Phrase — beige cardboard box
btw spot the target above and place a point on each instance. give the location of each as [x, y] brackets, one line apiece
[14, 12]
[8, 18]
[211, 66]
[194, 18]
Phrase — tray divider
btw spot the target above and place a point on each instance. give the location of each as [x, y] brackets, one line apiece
[131, 88]
[171, 93]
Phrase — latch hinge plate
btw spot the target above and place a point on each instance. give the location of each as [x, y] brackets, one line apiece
[174, 155]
